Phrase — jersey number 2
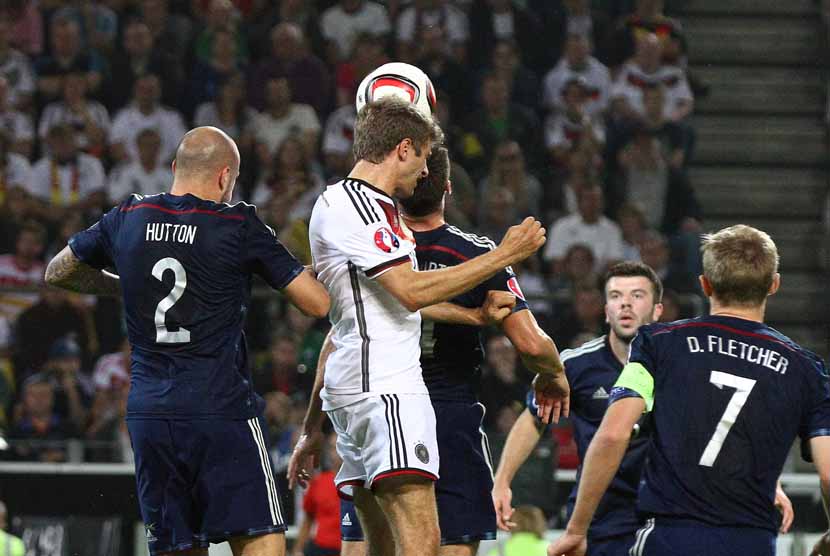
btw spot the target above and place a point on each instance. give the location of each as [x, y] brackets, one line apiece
[743, 386]
[163, 335]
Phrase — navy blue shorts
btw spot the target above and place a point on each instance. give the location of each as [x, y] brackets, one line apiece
[350, 529]
[465, 506]
[612, 546]
[664, 537]
[203, 481]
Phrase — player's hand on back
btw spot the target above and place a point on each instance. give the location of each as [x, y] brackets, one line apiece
[822, 547]
[503, 504]
[497, 306]
[785, 506]
[523, 240]
[552, 393]
[304, 458]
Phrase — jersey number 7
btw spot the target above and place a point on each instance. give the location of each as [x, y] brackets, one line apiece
[743, 386]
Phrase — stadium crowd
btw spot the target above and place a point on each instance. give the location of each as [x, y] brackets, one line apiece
[573, 111]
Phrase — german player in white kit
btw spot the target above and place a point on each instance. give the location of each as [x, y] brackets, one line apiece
[374, 392]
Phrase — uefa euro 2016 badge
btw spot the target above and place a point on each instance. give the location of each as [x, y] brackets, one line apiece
[386, 241]
[513, 285]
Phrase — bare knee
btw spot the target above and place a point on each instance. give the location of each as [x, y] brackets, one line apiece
[272, 544]
[353, 548]
[409, 504]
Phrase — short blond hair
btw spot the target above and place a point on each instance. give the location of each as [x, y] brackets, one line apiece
[740, 263]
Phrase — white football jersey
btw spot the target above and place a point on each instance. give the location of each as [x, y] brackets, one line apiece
[356, 235]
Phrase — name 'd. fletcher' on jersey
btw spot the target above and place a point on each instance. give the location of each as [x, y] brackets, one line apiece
[164, 231]
[751, 353]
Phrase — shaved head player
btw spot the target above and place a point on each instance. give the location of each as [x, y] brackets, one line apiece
[183, 262]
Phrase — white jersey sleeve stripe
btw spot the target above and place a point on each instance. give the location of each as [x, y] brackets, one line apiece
[363, 202]
[369, 203]
[354, 202]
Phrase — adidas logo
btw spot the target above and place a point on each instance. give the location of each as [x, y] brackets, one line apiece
[347, 521]
[600, 394]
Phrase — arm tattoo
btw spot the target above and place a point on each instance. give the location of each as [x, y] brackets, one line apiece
[67, 272]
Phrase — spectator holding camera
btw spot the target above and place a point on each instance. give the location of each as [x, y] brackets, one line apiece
[73, 388]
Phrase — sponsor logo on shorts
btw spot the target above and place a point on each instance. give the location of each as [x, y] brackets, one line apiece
[148, 532]
[422, 453]
[347, 521]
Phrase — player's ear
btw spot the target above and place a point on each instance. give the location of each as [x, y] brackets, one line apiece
[403, 149]
[448, 188]
[776, 283]
[705, 285]
[173, 166]
[657, 312]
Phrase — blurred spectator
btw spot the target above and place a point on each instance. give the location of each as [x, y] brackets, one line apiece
[656, 253]
[97, 23]
[321, 506]
[22, 269]
[506, 417]
[39, 433]
[647, 19]
[16, 208]
[338, 138]
[528, 537]
[26, 26]
[16, 126]
[16, 68]
[534, 287]
[70, 224]
[265, 15]
[280, 372]
[645, 70]
[577, 18]
[219, 16]
[431, 13]
[73, 387]
[506, 62]
[57, 314]
[208, 75]
[290, 57]
[146, 175]
[112, 370]
[367, 54]
[136, 57]
[589, 227]
[578, 271]
[15, 170]
[577, 62]
[144, 112]
[278, 418]
[671, 306]
[501, 384]
[88, 118]
[9, 544]
[495, 214]
[309, 338]
[445, 72]
[663, 192]
[573, 128]
[674, 137]
[633, 225]
[229, 112]
[584, 318]
[582, 168]
[66, 56]
[508, 170]
[282, 118]
[494, 21]
[499, 121]
[343, 22]
[111, 378]
[290, 166]
[171, 33]
[66, 179]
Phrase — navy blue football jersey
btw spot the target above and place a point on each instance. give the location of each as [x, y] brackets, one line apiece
[186, 266]
[451, 354]
[730, 396]
[592, 369]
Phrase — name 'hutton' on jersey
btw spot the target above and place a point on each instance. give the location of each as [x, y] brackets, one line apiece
[185, 266]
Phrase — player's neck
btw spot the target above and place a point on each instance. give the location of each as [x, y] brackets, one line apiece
[378, 175]
[619, 347]
[181, 188]
[737, 311]
[424, 223]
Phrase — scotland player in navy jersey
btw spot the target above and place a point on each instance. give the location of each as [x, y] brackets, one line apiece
[184, 262]
[633, 294]
[727, 395]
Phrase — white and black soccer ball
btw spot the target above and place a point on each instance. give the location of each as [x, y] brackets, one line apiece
[397, 79]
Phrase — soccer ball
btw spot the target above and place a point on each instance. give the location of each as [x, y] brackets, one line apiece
[400, 80]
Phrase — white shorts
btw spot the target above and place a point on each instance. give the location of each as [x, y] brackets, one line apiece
[384, 436]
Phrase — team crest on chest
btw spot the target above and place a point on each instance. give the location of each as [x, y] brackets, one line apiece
[386, 241]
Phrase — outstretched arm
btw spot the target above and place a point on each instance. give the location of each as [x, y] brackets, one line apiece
[522, 438]
[497, 306]
[66, 271]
